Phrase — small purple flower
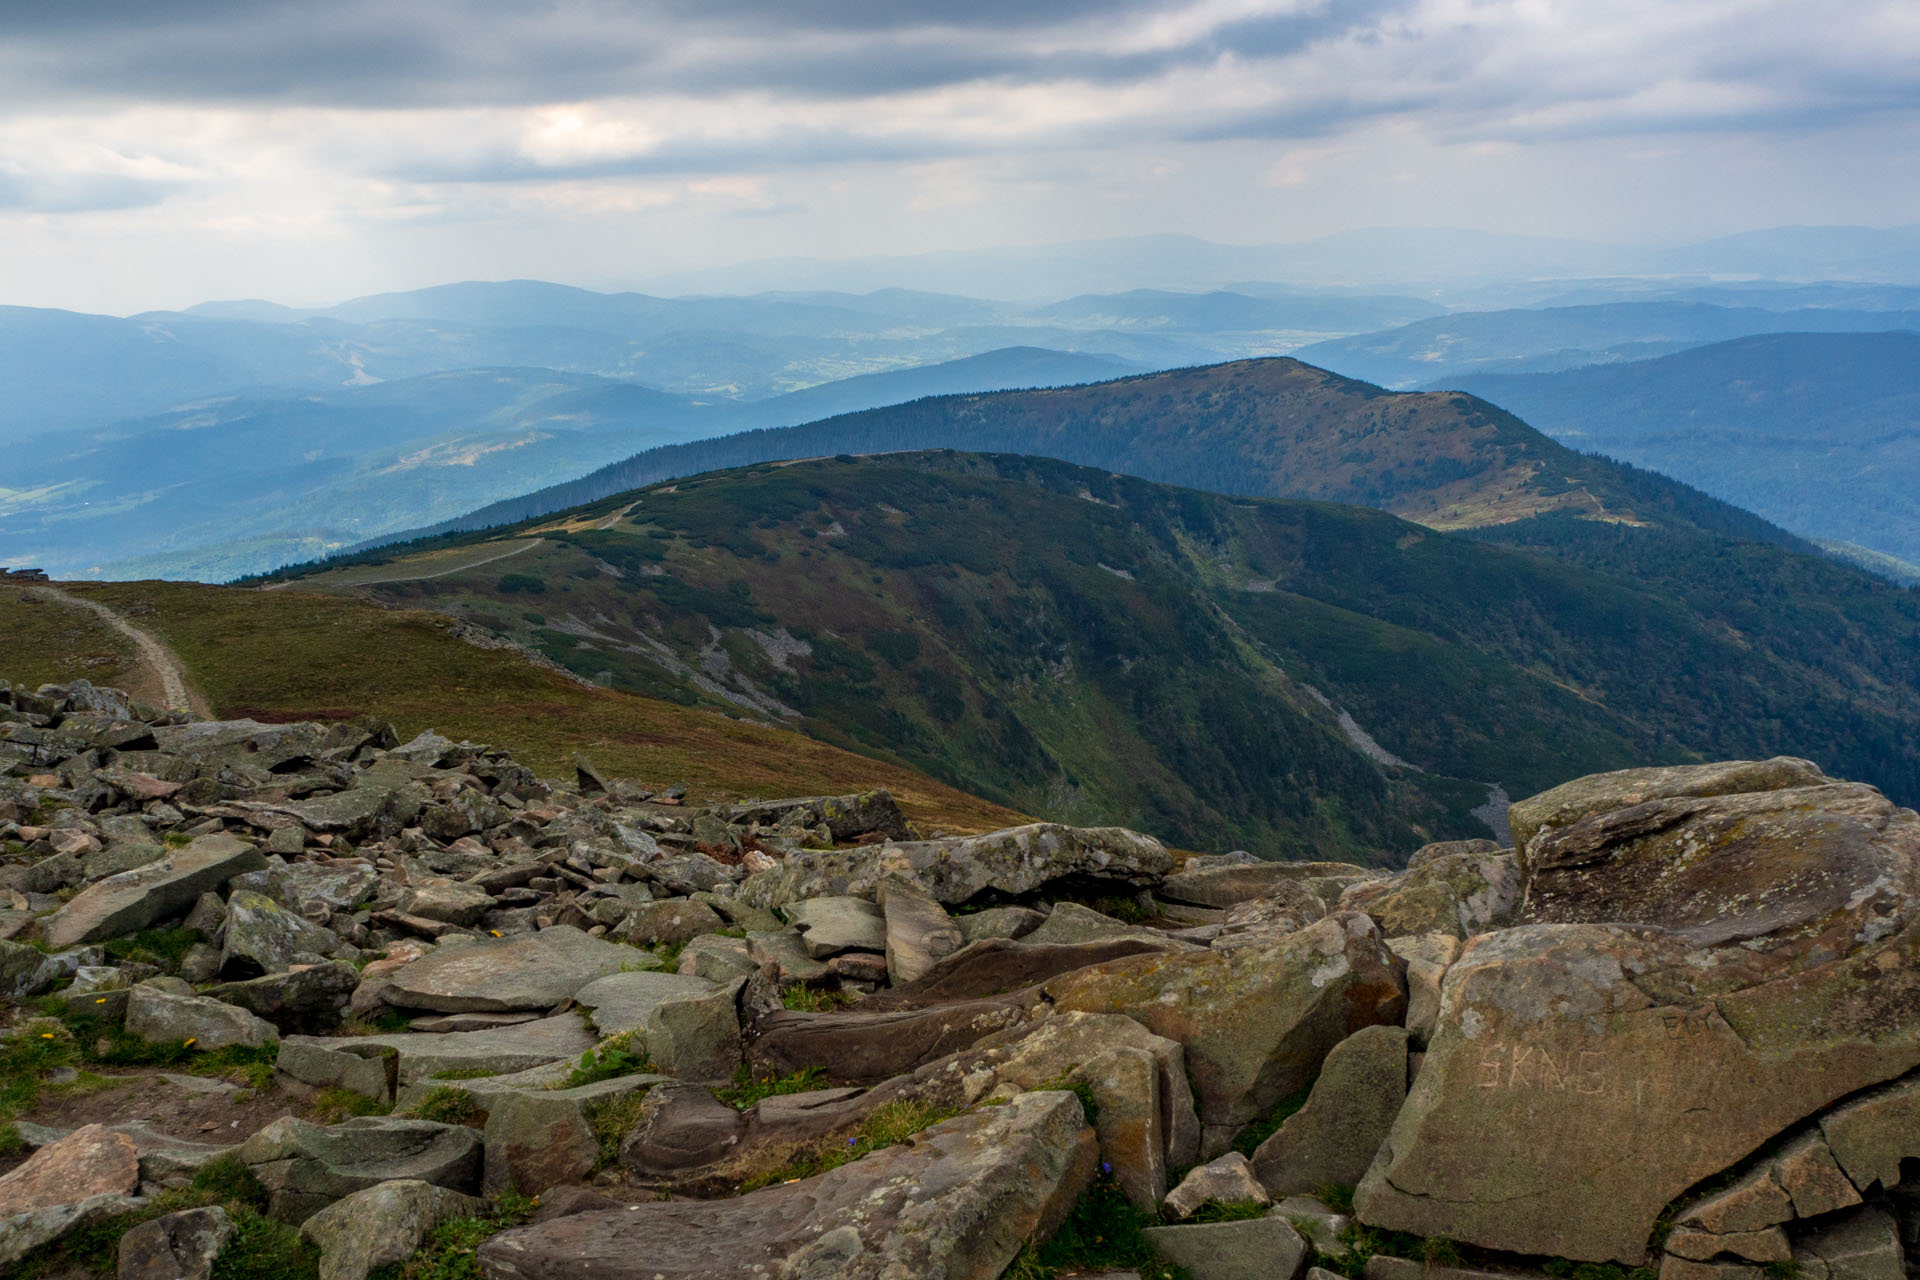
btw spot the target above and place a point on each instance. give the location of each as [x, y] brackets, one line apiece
[1105, 1167]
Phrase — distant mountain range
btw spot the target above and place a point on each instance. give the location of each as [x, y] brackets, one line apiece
[1444, 263]
[1272, 428]
[237, 435]
[242, 483]
[1819, 433]
[1440, 351]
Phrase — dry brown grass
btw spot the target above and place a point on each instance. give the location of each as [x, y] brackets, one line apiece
[287, 655]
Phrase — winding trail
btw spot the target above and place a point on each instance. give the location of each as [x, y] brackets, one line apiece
[458, 568]
[158, 663]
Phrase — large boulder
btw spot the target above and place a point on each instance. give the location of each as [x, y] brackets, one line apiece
[306, 1167]
[82, 1177]
[1257, 1021]
[696, 1035]
[1265, 1248]
[1598, 793]
[262, 936]
[307, 1001]
[341, 884]
[381, 1225]
[955, 1202]
[541, 1138]
[176, 1246]
[133, 900]
[622, 1002]
[845, 817]
[1332, 1139]
[861, 1047]
[919, 932]
[1790, 862]
[1559, 1047]
[532, 971]
[838, 923]
[1457, 893]
[953, 870]
[994, 966]
[1229, 884]
[160, 1017]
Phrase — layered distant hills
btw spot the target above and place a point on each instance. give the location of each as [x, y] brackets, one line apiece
[1444, 350]
[234, 437]
[1292, 677]
[1274, 427]
[1817, 432]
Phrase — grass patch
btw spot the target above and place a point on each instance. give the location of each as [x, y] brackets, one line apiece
[805, 999]
[84, 1039]
[1336, 1197]
[446, 1105]
[611, 1119]
[279, 654]
[612, 1059]
[888, 1126]
[748, 1088]
[668, 954]
[165, 948]
[463, 1073]
[109, 1044]
[1103, 1233]
[383, 1024]
[1229, 1211]
[447, 1253]
[331, 1106]
[1248, 1140]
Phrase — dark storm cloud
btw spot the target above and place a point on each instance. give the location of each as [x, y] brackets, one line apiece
[472, 52]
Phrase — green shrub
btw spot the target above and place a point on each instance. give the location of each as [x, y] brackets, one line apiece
[446, 1105]
[611, 1059]
[527, 582]
[1102, 1233]
[748, 1088]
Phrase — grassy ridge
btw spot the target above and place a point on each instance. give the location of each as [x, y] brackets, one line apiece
[1095, 648]
[285, 655]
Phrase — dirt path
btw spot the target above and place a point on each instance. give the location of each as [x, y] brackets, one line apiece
[459, 568]
[158, 669]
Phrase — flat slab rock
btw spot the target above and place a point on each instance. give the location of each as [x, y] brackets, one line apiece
[622, 1002]
[503, 1049]
[956, 1202]
[132, 900]
[536, 971]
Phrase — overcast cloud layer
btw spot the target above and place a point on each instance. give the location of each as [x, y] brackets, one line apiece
[155, 155]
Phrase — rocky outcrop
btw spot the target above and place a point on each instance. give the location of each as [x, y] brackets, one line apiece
[1766, 964]
[306, 1167]
[955, 870]
[956, 1202]
[1256, 1022]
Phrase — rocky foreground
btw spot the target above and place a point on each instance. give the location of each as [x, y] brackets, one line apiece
[302, 999]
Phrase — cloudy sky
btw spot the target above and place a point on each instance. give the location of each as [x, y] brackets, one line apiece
[160, 152]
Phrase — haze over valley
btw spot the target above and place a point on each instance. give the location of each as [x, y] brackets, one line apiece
[1106, 640]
